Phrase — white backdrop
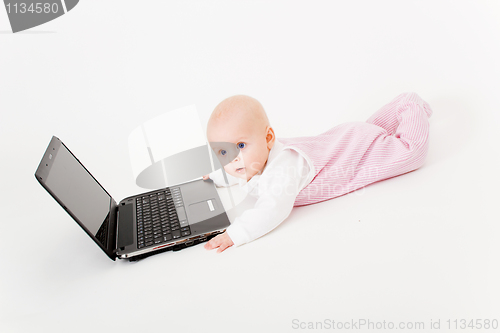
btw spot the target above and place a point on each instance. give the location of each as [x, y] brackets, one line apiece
[423, 247]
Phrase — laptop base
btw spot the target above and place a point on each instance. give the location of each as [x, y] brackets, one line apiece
[175, 248]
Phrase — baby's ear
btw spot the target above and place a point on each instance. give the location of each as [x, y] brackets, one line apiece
[270, 137]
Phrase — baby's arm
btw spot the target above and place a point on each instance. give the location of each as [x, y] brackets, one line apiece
[218, 178]
[278, 188]
[220, 242]
[270, 210]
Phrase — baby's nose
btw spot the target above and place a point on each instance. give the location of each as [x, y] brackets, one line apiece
[237, 158]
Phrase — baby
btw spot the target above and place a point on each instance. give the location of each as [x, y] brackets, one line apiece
[292, 172]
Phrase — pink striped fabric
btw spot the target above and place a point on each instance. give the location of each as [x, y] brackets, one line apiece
[350, 156]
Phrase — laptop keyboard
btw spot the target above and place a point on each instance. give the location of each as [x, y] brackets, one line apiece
[157, 218]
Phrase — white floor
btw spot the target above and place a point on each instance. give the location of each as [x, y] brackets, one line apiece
[420, 248]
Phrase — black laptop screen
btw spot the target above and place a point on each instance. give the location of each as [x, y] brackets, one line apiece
[76, 189]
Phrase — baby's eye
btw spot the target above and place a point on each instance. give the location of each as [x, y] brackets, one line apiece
[222, 152]
[241, 145]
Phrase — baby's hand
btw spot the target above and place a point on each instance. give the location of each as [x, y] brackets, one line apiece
[205, 177]
[222, 241]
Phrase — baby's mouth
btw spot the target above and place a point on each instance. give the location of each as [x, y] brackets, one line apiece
[240, 170]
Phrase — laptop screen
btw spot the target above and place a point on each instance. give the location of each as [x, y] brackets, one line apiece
[78, 190]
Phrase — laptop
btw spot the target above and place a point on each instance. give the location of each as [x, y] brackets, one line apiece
[171, 218]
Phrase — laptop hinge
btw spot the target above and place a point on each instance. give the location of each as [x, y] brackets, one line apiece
[124, 228]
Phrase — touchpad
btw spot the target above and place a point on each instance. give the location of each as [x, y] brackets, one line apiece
[202, 210]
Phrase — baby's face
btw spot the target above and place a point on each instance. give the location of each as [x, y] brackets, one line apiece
[250, 138]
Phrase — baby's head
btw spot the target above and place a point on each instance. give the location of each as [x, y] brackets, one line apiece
[239, 128]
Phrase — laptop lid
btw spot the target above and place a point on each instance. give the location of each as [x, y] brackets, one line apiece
[80, 194]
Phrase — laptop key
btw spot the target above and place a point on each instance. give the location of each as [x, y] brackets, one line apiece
[176, 234]
[185, 233]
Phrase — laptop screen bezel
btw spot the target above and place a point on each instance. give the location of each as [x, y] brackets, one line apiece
[43, 171]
